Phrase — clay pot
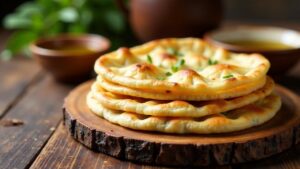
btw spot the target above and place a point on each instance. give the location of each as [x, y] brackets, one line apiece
[153, 19]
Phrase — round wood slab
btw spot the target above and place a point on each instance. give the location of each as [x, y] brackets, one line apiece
[280, 133]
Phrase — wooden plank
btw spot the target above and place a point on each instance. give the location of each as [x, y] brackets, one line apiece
[40, 110]
[62, 151]
[289, 159]
[15, 77]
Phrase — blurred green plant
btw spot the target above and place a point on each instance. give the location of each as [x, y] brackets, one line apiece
[43, 18]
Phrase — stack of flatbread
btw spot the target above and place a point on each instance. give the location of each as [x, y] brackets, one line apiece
[183, 85]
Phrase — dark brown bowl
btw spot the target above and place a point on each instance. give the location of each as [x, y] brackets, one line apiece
[281, 60]
[69, 65]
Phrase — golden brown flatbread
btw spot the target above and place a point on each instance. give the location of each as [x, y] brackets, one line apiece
[189, 96]
[242, 118]
[183, 66]
[176, 108]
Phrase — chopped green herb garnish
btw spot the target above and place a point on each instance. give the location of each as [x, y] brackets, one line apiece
[178, 65]
[168, 74]
[149, 59]
[161, 78]
[200, 68]
[228, 76]
[212, 62]
[181, 63]
[171, 51]
[174, 52]
[179, 54]
[174, 68]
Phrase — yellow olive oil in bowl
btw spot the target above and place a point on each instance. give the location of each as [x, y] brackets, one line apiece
[72, 48]
[69, 58]
[280, 45]
[260, 45]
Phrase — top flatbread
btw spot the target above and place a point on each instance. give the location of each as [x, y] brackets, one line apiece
[182, 66]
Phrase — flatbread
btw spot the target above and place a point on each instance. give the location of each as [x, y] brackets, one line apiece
[189, 96]
[176, 108]
[183, 65]
[242, 118]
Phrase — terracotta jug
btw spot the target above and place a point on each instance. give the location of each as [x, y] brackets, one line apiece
[153, 19]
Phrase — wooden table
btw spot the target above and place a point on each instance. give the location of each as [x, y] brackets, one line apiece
[32, 134]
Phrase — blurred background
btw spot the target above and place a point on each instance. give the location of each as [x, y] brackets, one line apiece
[38, 18]
[246, 10]
[262, 10]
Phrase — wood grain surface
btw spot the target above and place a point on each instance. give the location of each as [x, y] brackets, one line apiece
[15, 76]
[13, 83]
[62, 151]
[39, 110]
[275, 136]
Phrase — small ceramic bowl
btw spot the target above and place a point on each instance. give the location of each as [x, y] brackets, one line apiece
[69, 58]
[281, 59]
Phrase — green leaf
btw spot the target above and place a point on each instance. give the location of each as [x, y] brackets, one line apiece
[86, 17]
[115, 21]
[51, 17]
[106, 3]
[149, 59]
[52, 25]
[55, 29]
[49, 5]
[76, 28]
[68, 15]
[38, 23]
[228, 76]
[14, 21]
[79, 3]
[28, 8]
[6, 55]
[63, 3]
[20, 40]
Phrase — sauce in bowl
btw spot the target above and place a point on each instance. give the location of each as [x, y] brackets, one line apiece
[260, 45]
[69, 58]
[76, 48]
[280, 45]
